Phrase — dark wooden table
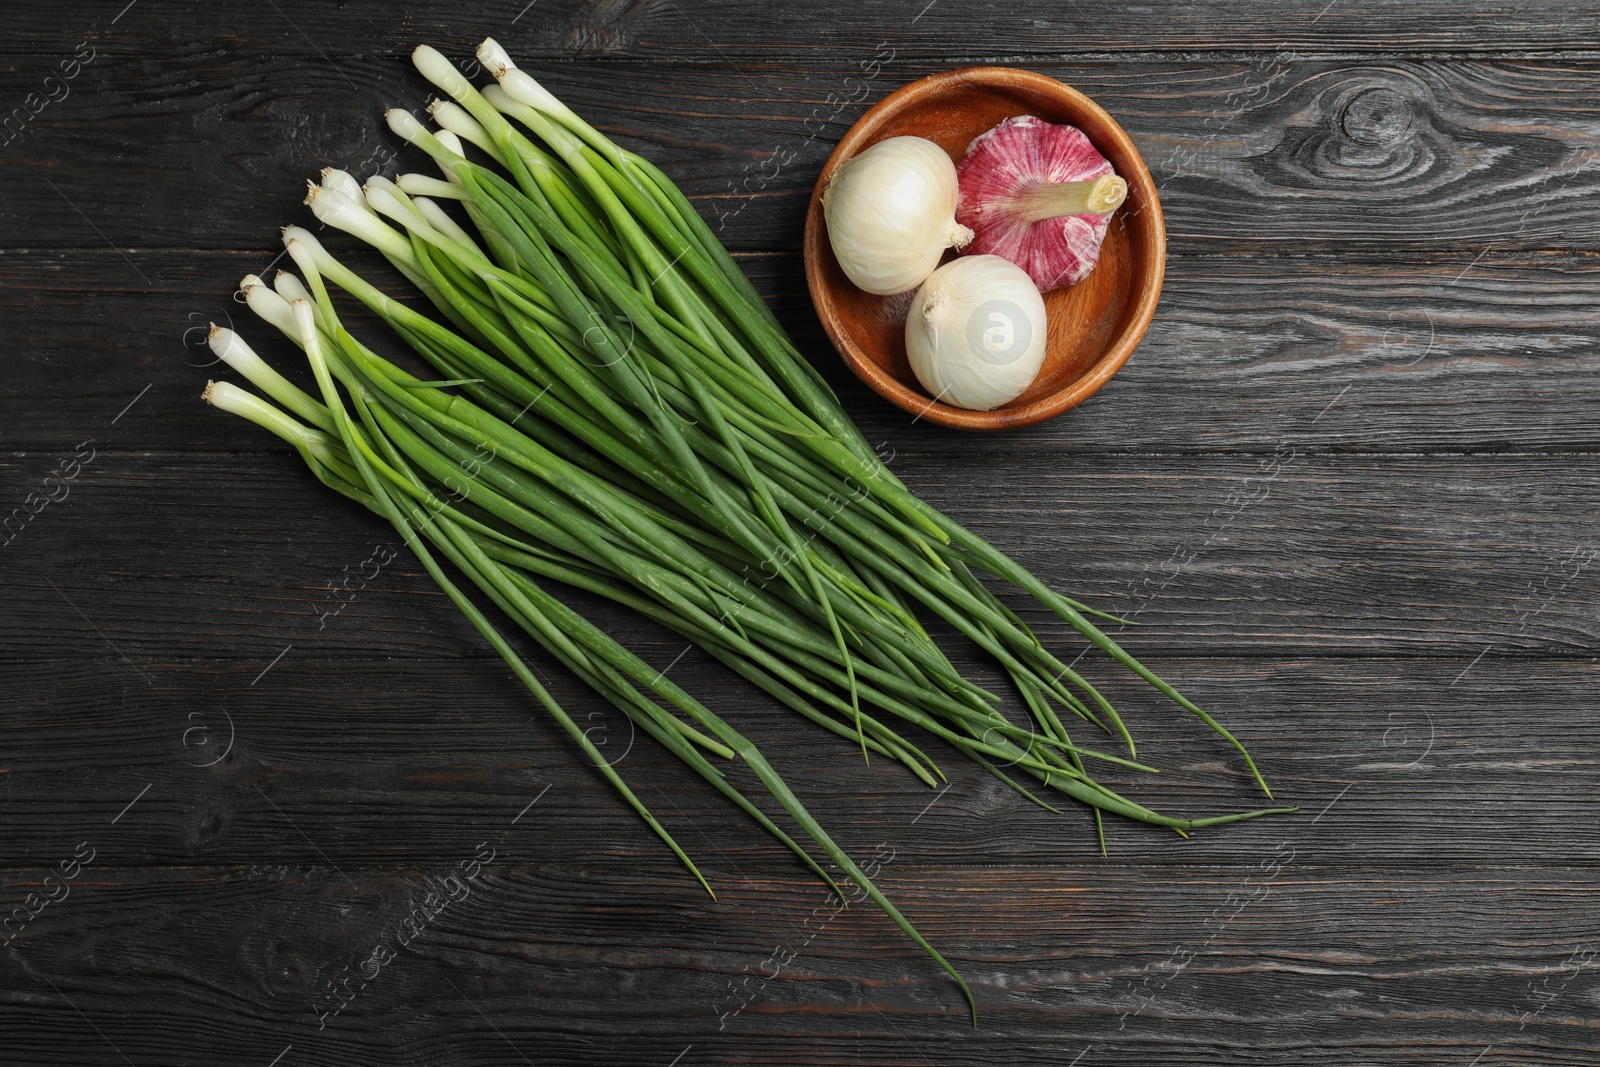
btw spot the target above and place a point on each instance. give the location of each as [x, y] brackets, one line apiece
[1347, 486]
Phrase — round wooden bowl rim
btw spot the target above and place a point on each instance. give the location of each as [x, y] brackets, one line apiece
[1149, 232]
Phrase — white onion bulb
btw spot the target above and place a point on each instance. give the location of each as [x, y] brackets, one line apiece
[976, 332]
[891, 213]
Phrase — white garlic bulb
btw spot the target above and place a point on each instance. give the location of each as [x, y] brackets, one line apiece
[976, 332]
[891, 213]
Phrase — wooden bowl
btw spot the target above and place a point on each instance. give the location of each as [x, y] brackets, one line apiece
[1093, 326]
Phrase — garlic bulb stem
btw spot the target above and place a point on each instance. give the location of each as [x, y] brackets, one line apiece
[1050, 200]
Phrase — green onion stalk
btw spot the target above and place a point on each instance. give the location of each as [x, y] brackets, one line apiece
[616, 410]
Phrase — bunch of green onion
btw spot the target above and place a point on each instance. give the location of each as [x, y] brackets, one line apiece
[619, 412]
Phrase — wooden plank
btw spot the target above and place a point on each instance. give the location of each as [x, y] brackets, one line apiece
[720, 31]
[1294, 155]
[224, 555]
[356, 760]
[539, 960]
[1269, 355]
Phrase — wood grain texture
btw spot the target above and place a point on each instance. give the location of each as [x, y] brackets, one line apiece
[426, 752]
[1258, 154]
[1347, 556]
[1404, 355]
[724, 30]
[1306, 966]
[1345, 485]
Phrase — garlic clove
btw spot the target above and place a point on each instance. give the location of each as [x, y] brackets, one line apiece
[890, 213]
[1040, 195]
[976, 332]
